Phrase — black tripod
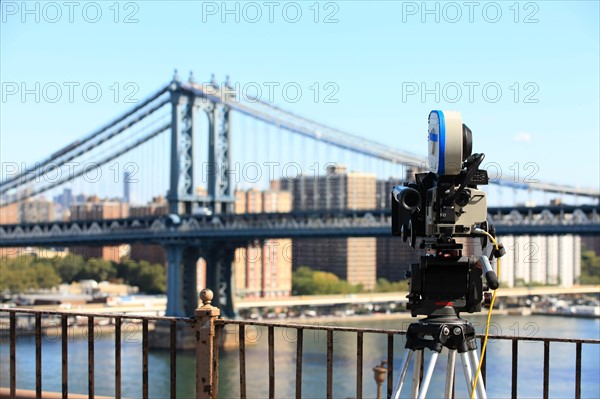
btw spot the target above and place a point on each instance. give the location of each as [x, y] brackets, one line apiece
[441, 329]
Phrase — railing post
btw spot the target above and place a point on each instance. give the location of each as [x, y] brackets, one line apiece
[206, 364]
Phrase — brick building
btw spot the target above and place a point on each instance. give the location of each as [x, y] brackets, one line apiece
[263, 269]
[29, 211]
[352, 259]
[96, 209]
[10, 214]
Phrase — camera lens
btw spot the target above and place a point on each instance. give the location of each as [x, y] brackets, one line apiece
[467, 146]
[412, 199]
[462, 198]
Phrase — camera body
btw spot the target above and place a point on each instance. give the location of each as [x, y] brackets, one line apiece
[438, 206]
[444, 202]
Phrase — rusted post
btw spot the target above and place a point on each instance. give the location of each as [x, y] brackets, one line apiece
[206, 364]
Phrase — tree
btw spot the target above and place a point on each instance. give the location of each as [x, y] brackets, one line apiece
[590, 268]
[384, 285]
[26, 273]
[149, 278]
[68, 267]
[97, 269]
[306, 281]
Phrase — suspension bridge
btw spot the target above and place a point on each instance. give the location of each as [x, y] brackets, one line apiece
[156, 147]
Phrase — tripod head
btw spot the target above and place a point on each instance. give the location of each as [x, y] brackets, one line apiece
[445, 280]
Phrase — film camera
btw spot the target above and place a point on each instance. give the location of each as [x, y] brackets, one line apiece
[440, 205]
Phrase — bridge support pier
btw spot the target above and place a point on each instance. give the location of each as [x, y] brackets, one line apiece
[175, 305]
[182, 274]
[219, 274]
[182, 277]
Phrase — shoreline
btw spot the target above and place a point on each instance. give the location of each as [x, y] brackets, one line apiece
[405, 316]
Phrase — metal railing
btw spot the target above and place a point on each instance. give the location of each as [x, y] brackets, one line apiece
[389, 336]
[89, 331]
[208, 332]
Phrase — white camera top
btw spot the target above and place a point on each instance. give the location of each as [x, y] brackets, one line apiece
[445, 142]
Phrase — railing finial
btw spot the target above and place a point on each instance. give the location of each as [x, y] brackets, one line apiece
[206, 296]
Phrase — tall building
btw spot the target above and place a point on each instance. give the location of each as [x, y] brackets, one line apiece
[29, 211]
[263, 269]
[149, 252]
[552, 260]
[96, 209]
[508, 261]
[157, 207]
[274, 201]
[535, 252]
[352, 259]
[569, 268]
[36, 211]
[62, 202]
[394, 258]
[10, 214]
[254, 201]
[240, 202]
[339, 189]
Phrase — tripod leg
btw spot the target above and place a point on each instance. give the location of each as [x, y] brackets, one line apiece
[416, 379]
[466, 363]
[475, 363]
[450, 373]
[403, 369]
[428, 374]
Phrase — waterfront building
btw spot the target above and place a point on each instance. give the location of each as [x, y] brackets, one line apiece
[95, 208]
[352, 259]
[544, 260]
[263, 268]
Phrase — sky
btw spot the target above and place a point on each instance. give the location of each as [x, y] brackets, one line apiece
[524, 75]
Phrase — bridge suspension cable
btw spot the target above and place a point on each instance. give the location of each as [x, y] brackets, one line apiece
[97, 164]
[256, 109]
[80, 147]
[274, 115]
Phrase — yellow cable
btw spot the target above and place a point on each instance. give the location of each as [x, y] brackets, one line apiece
[487, 326]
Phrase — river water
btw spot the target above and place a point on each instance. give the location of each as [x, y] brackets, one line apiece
[530, 380]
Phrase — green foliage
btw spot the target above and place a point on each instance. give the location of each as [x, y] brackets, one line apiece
[97, 269]
[27, 272]
[143, 274]
[68, 267]
[306, 281]
[590, 268]
[384, 285]
[30, 273]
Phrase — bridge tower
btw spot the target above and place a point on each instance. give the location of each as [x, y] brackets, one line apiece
[187, 102]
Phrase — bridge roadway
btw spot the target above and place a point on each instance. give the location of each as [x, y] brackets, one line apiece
[580, 220]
